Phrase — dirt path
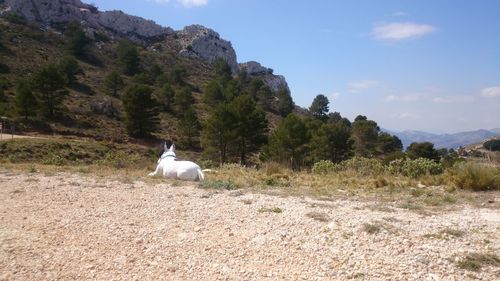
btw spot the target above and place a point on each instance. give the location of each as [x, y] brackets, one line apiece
[6, 137]
[74, 227]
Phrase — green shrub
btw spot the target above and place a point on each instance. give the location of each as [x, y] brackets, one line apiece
[363, 166]
[476, 177]
[276, 210]
[325, 167]
[475, 261]
[3, 67]
[277, 180]
[207, 164]
[493, 145]
[119, 159]
[414, 168]
[14, 18]
[56, 160]
[218, 184]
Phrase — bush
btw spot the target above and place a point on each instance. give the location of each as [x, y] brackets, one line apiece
[325, 167]
[492, 145]
[476, 177]
[4, 68]
[14, 18]
[56, 160]
[119, 159]
[277, 180]
[363, 166]
[414, 168]
[218, 184]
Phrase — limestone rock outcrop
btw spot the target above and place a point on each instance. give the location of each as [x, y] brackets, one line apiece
[254, 68]
[274, 82]
[201, 42]
[53, 12]
[196, 41]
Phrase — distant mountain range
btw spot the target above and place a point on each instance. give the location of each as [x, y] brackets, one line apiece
[445, 140]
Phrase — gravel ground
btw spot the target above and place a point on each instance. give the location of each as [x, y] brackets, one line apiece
[79, 227]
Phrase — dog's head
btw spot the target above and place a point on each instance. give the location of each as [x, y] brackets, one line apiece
[168, 152]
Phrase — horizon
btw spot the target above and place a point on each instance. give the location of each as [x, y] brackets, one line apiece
[424, 65]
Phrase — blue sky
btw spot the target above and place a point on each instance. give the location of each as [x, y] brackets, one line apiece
[420, 64]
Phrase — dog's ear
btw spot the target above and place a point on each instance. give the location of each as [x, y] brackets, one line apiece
[165, 148]
[172, 147]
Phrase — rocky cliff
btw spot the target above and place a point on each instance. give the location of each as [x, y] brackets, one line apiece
[253, 68]
[53, 12]
[195, 40]
[201, 42]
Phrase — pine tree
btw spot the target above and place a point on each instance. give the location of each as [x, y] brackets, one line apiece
[114, 83]
[332, 142]
[166, 97]
[319, 107]
[288, 142]
[76, 40]
[183, 99]
[213, 93]
[251, 126]
[141, 116]
[231, 90]
[48, 84]
[69, 68]
[223, 71]
[178, 76]
[422, 150]
[254, 86]
[365, 136]
[265, 98]
[388, 144]
[189, 127]
[219, 132]
[26, 103]
[128, 57]
[285, 103]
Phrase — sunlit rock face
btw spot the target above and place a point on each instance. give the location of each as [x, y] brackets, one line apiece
[201, 42]
[54, 12]
[274, 82]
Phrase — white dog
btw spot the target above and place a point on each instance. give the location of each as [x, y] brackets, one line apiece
[171, 168]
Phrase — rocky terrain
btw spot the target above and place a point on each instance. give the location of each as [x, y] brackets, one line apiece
[201, 42]
[80, 227]
[62, 11]
[196, 41]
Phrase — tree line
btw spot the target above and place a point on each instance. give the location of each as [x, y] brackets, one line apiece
[236, 126]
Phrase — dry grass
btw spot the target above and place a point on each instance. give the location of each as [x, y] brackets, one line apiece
[372, 228]
[475, 261]
[447, 232]
[399, 192]
[322, 217]
[276, 210]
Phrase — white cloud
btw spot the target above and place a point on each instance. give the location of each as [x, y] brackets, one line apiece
[492, 92]
[407, 98]
[359, 86]
[185, 3]
[193, 3]
[453, 99]
[334, 96]
[406, 116]
[400, 14]
[401, 30]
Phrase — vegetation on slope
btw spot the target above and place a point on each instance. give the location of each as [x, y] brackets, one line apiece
[68, 84]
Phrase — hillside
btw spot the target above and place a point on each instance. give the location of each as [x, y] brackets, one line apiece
[32, 37]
